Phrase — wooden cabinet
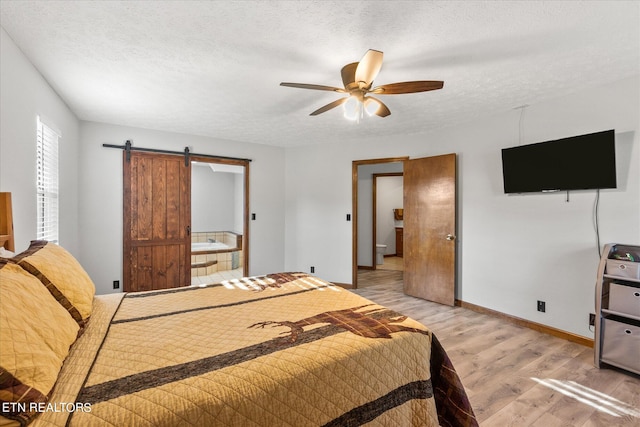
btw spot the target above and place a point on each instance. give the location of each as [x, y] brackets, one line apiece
[617, 338]
[6, 222]
[399, 241]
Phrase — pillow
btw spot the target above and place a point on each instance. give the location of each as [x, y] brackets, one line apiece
[36, 333]
[63, 275]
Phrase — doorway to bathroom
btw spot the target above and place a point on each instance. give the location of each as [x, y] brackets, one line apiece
[219, 217]
[157, 217]
[374, 225]
[429, 224]
[387, 230]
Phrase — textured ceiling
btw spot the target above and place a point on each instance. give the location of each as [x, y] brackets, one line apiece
[213, 67]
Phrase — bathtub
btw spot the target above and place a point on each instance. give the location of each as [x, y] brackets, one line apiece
[215, 251]
[208, 247]
[208, 258]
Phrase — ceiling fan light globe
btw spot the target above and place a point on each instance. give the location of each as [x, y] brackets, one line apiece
[351, 108]
[371, 106]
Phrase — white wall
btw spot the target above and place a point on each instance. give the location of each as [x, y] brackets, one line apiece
[213, 200]
[101, 196]
[512, 250]
[24, 94]
[238, 209]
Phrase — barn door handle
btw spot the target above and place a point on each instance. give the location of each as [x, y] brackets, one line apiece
[188, 230]
[450, 237]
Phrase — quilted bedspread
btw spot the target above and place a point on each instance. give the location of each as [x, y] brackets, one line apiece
[284, 349]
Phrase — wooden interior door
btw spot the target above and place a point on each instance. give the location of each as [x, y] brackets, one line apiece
[157, 220]
[430, 228]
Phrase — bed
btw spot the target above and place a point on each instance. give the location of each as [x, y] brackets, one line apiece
[284, 349]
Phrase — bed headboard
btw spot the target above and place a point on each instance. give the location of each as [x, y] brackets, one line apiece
[6, 222]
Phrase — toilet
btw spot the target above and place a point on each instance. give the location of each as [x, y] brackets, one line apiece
[380, 250]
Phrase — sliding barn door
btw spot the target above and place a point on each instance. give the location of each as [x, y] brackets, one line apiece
[429, 228]
[157, 220]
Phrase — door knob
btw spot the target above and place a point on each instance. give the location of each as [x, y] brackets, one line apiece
[451, 237]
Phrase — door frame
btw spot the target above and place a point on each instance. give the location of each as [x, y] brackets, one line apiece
[354, 210]
[245, 222]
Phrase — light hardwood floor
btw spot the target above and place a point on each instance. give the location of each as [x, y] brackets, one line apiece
[392, 263]
[515, 376]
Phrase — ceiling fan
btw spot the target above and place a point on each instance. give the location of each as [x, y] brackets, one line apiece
[357, 78]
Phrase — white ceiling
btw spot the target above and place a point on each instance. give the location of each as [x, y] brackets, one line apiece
[213, 68]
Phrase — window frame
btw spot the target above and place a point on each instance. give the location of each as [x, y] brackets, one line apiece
[47, 182]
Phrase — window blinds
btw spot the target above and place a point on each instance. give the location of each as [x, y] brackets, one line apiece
[47, 182]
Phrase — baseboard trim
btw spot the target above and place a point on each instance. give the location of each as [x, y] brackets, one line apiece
[343, 285]
[587, 342]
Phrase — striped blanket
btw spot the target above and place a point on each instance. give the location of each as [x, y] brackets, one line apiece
[284, 349]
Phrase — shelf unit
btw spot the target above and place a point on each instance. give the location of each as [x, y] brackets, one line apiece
[617, 334]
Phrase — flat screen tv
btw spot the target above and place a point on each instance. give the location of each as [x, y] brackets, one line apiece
[581, 162]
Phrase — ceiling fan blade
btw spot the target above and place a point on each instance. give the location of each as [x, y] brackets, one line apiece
[408, 87]
[369, 67]
[348, 73]
[383, 110]
[329, 106]
[314, 87]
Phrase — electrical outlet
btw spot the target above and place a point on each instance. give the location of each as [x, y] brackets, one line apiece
[592, 319]
[541, 306]
[313, 269]
[116, 284]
